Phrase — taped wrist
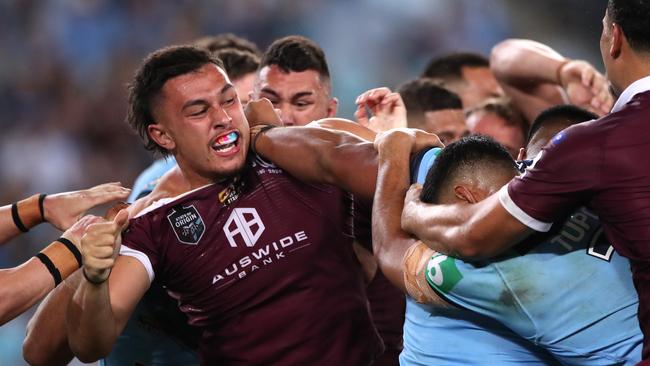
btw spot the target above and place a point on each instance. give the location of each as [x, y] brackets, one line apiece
[414, 264]
[61, 258]
[28, 212]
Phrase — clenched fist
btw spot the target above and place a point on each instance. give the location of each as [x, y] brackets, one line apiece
[100, 246]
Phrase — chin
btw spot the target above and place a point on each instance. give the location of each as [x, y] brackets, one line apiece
[229, 170]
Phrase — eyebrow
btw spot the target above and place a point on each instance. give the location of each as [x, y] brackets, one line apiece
[195, 102]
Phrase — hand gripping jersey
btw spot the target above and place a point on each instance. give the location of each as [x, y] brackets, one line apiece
[264, 265]
[157, 333]
[457, 336]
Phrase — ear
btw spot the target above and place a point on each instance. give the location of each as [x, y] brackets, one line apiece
[522, 154]
[463, 193]
[617, 41]
[159, 135]
[332, 107]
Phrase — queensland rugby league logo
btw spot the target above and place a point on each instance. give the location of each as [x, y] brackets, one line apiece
[187, 223]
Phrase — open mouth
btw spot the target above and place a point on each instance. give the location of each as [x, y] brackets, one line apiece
[226, 143]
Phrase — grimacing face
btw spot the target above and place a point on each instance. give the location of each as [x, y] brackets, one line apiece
[302, 97]
[201, 121]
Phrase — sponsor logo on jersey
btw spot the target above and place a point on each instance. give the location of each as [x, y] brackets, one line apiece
[187, 223]
[442, 273]
[231, 193]
[244, 226]
[262, 256]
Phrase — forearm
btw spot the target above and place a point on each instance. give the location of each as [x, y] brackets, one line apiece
[470, 231]
[91, 325]
[521, 62]
[323, 156]
[50, 319]
[21, 287]
[20, 217]
[389, 241]
[347, 126]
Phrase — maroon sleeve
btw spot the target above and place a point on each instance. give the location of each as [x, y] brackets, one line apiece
[563, 176]
[137, 242]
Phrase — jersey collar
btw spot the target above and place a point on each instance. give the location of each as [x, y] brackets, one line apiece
[633, 89]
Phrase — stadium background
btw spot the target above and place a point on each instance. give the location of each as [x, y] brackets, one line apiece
[64, 65]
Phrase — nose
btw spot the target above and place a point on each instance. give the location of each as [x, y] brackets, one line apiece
[287, 115]
[221, 118]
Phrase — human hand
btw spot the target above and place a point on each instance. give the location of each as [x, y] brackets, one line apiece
[62, 210]
[78, 229]
[261, 112]
[407, 140]
[586, 87]
[387, 108]
[100, 246]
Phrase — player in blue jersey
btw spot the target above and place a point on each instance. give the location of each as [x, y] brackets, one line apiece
[525, 289]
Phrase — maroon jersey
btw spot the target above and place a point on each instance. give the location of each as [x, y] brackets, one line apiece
[602, 164]
[264, 265]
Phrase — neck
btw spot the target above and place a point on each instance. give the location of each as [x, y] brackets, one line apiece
[194, 179]
[637, 67]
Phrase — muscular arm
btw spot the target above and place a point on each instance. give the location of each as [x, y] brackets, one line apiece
[21, 287]
[477, 231]
[50, 319]
[97, 314]
[400, 256]
[534, 76]
[322, 155]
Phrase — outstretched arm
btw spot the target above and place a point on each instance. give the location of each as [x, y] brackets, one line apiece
[332, 156]
[536, 77]
[321, 155]
[62, 210]
[476, 231]
[22, 286]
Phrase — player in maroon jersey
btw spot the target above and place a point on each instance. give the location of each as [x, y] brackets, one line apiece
[260, 261]
[595, 164]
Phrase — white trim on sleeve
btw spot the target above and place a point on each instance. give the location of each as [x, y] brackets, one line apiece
[141, 257]
[519, 214]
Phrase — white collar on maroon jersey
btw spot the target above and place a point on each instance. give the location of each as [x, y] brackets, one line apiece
[633, 89]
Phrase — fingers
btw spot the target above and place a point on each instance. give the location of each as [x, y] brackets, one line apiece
[121, 220]
[361, 115]
[107, 192]
[372, 96]
[413, 194]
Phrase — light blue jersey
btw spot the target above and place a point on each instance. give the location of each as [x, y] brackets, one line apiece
[142, 342]
[456, 336]
[147, 180]
[571, 294]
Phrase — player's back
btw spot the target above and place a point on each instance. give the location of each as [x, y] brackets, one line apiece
[571, 293]
[455, 336]
[265, 267]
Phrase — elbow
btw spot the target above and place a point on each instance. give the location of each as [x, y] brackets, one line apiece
[474, 246]
[502, 57]
[32, 352]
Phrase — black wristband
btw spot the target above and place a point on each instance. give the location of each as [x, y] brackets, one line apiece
[257, 135]
[41, 200]
[17, 221]
[50, 267]
[72, 248]
[83, 270]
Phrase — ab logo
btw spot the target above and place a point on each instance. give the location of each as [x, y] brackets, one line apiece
[245, 225]
[442, 273]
